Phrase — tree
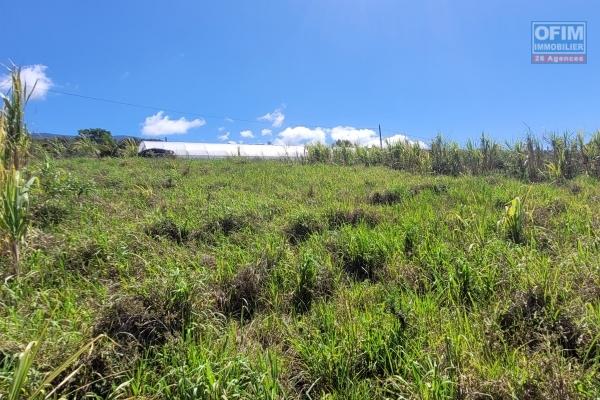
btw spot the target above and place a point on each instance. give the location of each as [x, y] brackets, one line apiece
[98, 135]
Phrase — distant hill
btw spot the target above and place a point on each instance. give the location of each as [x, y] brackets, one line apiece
[47, 136]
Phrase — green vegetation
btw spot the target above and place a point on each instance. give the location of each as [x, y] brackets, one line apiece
[14, 153]
[14, 211]
[233, 278]
[355, 273]
[562, 158]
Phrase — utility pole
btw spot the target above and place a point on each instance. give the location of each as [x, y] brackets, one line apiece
[380, 139]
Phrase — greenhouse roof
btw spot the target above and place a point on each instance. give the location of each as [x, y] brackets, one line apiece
[222, 150]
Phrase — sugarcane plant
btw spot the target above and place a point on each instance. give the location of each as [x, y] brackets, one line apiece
[14, 211]
[16, 137]
[14, 187]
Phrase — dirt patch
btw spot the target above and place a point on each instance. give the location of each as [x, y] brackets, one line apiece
[575, 189]
[168, 229]
[208, 261]
[224, 225]
[142, 322]
[542, 216]
[338, 218]
[49, 214]
[302, 226]
[363, 266]
[239, 297]
[530, 318]
[229, 224]
[386, 197]
[86, 258]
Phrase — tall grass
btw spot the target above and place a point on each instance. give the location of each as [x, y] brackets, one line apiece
[353, 282]
[563, 157]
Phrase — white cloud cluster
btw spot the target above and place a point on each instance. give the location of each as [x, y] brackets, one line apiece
[361, 137]
[34, 78]
[298, 135]
[247, 134]
[160, 124]
[266, 132]
[276, 118]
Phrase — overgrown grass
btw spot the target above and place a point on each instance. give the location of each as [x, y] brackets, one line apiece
[239, 279]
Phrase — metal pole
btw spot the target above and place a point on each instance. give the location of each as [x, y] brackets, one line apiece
[380, 139]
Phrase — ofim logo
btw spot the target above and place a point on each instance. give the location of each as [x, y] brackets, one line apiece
[558, 42]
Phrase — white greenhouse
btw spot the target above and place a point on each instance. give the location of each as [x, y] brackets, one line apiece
[223, 150]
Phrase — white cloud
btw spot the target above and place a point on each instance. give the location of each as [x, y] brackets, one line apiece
[232, 142]
[397, 138]
[30, 75]
[223, 137]
[301, 135]
[357, 136]
[276, 118]
[160, 124]
[247, 134]
[368, 137]
[266, 132]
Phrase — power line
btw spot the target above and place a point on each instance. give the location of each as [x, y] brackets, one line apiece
[125, 103]
[205, 116]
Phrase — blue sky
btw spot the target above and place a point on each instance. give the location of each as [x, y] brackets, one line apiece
[331, 69]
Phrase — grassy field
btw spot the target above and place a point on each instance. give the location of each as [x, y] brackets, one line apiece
[236, 279]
